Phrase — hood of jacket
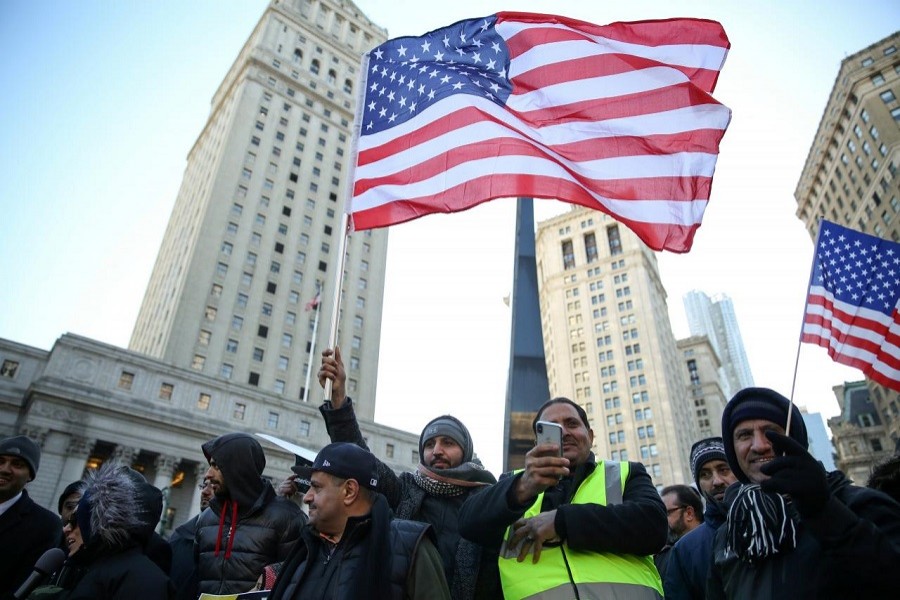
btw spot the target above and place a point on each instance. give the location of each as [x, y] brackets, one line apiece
[108, 512]
[241, 461]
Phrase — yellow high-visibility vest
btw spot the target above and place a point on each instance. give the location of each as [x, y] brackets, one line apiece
[595, 574]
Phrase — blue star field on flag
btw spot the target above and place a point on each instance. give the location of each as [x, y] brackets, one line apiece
[406, 75]
[857, 268]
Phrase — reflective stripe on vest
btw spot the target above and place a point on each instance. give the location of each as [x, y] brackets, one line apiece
[596, 575]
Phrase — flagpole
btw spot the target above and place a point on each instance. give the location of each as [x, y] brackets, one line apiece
[346, 221]
[812, 268]
[312, 348]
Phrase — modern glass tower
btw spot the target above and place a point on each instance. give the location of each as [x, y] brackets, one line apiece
[715, 318]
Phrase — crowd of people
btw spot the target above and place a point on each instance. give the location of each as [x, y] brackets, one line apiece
[761, 519]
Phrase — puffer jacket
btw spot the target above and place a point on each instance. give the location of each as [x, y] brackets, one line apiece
[851, 549]
[237, 536]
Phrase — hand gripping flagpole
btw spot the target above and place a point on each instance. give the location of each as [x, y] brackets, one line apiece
[346, 219]
[812, 269]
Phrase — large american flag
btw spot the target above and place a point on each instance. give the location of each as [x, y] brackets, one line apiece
[618, 118]
[851, 308]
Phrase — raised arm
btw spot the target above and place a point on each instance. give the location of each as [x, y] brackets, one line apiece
[342, 426]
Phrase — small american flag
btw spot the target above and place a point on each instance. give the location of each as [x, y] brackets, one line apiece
[618, 118]
[851, 308]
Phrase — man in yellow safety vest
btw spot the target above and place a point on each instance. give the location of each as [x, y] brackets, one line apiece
[591, 527]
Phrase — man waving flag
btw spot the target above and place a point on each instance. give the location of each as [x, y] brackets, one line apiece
[618, 118]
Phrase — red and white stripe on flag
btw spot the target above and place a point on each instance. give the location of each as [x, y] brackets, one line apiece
[618, 118]
[851, 307]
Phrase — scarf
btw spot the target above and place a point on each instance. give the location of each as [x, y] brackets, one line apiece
[454, 481]
[758, 525]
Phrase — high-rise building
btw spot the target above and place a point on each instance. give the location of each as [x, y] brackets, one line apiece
[850, 175]
[702, 371]
[609, 343]
[255, 230]
[715, 318]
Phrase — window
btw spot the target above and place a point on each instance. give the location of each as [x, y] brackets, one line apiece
[356, 342]
[210, 313]
[240, 410]
[272, 422]
[286, 340]
[354, 363]
[226, 370]
[887, 96]
[357, 322]
[389, 450]
[267, 309]
[166, 390]
[258, 354]
[271, 287]
[568, 255]
[221, 269]
[203, 401]
[237, 322]
[126, 380]
[242, 300]
[262, 331]
[615, 242]
[203, 338]
[278, 388]
[198, 362]
[253, 379]
[304, 428]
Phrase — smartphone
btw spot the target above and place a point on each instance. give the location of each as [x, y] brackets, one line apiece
[549, 433]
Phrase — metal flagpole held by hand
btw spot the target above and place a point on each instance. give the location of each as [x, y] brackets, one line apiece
[346, 223]
[812, 268]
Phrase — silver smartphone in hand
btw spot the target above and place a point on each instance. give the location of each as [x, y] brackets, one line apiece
[549, 433]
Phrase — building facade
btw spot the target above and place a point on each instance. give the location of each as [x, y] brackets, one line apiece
[859, 436]
[715, 318]
[255, 231]
[85, 402]
[850, 176]
[609, 343]
[702, 371]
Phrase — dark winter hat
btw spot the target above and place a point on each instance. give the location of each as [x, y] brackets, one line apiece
[707, 449]
[72, 488]
[758, 403]
[25, 449]
[453, 429]
[344, 460]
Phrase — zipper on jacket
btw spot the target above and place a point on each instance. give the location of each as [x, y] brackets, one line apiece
[569, 571]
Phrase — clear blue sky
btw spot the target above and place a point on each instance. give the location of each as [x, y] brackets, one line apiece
[103, 100]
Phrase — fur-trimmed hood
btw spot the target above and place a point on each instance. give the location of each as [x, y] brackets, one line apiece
[108, 512]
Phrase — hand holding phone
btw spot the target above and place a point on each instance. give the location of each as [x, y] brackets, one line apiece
[549, 433]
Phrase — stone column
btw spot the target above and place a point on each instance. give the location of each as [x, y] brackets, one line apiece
[165, 470]
[124, 455]
[164, 467]
[77, 454]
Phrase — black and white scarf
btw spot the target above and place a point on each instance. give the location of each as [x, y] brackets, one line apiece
[758, 525]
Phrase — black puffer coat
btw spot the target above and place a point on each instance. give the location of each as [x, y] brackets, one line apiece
[239, 535]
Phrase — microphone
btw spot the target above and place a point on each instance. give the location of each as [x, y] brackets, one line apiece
[49, 562]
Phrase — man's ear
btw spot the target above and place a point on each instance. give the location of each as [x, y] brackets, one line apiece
[351, 491]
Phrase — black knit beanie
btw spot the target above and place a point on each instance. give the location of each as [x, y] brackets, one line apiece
[452, 428]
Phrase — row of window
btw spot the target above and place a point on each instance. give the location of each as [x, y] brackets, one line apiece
[590, 247]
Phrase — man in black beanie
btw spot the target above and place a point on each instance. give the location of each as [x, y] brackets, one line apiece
[447, 475]
[793, 530]
[26, 529]
[685, 576]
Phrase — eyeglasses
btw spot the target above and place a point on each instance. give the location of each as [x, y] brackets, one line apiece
[671, 510]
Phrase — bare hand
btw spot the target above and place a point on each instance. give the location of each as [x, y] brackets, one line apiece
[543, 469]
[333, 369]
[533, 533]
[288, 487]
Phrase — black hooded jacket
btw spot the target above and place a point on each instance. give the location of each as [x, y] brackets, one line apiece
[238, 535]
[111, 564]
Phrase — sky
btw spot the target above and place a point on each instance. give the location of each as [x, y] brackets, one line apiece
[103, 100]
